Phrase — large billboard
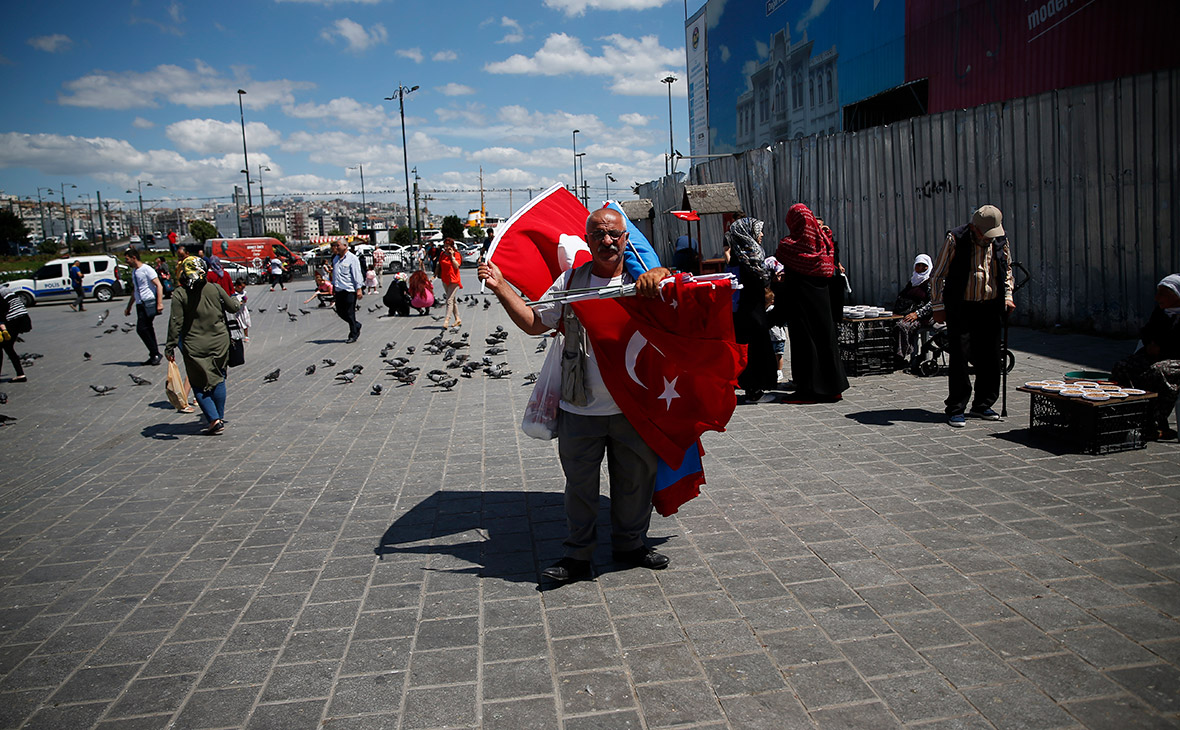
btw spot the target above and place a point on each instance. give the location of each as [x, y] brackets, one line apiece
[781, 69]
[978, 51]
[695, 43]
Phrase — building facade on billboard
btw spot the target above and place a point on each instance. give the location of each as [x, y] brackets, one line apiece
[791, 94]
[781, 69]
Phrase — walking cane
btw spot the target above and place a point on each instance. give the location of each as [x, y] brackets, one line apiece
[1004, 367]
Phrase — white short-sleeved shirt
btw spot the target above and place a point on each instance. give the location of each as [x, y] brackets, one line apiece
[145, 290]
[598, 399]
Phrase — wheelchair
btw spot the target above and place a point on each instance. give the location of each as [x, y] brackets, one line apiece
[931, 358]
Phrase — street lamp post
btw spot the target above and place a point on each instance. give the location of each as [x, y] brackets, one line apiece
[41, 213]
[669, 80]
[576, 161]
[262, 195]
[609, 179]
[364, 211]
[246, 157]
[89, 215]
[139, 186]
[65, 218]
[400, 95]
[581, 176]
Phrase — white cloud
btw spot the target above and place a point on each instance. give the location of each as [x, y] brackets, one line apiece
[762, 49]
[635, 120]
[51, 43]
[118, 163]
[813, 12]
[382, 158]
[355, 35]
[447, 55]
[414, 54]
[212, 137]
[725, 54]
[141, 123]
[556, 157]
[716, 10]
[453, 89]
[344, 111]
[578, 7]
[472, 113]
[172, 24]
[634, 65]
[515, 33]
[203, 86]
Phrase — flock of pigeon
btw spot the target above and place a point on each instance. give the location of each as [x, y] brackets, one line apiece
[454, 365]
[445, 376]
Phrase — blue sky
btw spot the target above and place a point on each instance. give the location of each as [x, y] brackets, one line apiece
[102, 95]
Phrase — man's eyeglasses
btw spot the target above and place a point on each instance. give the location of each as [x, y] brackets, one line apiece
[600, 236]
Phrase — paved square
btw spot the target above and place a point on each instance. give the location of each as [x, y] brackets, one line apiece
[342, 559]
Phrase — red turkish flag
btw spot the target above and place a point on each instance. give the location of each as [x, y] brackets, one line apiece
[686, 215]
[674, 361]
[540, 241]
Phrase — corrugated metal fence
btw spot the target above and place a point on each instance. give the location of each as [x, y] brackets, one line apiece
[1086, 178]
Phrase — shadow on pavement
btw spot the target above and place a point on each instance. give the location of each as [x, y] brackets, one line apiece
[497, 533]
[170, 431]
[894, 416]
[1046, 442]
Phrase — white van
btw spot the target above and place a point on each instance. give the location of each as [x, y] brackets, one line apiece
[101, 279]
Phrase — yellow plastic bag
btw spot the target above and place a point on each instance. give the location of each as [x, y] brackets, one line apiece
[176, 387]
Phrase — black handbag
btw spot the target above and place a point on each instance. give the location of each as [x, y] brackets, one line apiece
[237, 353]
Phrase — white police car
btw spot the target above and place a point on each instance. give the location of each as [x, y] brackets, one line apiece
[51, 283]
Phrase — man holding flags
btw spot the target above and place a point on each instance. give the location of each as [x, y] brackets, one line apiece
[642, 377]
[590, 422]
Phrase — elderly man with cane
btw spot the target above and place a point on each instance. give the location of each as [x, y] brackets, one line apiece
[972, 291]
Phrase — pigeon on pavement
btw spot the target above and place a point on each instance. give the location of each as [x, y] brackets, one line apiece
[376, 389]
[530, 378]
[85, 355]
[272, 375]
[5, 419]
[103, 317]
[329, 362]
[310, 370]
[103, 389]
[347, 376]
[138, 380]
[3, 399]
[449, 383]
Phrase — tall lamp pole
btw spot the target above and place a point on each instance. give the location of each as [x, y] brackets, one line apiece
[139, 186]
[246, 157]
[262, 195]
[576, 161]
[41, 213]
[89, 214]
[669, 80]
[609, 179]
[65, 218]
[400, 95]
[578, 158]
[364, 211]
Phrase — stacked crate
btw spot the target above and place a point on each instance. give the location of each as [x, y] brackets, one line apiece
[866, 346]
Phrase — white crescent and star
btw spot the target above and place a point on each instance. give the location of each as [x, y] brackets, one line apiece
[634, 347]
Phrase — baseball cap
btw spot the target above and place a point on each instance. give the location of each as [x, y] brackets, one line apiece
[987, 220]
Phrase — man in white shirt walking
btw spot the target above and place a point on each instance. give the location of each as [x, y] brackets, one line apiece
[149, 301]
[348, 287]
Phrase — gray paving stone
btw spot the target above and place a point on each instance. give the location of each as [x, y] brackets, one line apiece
[1018, 705]
[217, 708]
[869, 716]
[827, 684]
[288, 716]
[923, 696]
[678, 703]
[527, 678]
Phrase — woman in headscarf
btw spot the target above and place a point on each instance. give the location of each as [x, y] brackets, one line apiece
[750, 325]
[1156, 365]
[804, 299]
[913, 301]
[218, 275]
[196, 323]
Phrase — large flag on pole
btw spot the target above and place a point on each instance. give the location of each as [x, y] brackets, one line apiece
[679, 355]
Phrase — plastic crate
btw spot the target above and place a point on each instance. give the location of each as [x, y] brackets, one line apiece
[858, 362]
[857, 333]
[1098, 428]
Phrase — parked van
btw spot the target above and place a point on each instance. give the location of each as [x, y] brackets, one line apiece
[256, 252]
[101, 279]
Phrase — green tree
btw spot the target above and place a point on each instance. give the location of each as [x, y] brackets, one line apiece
[403, 235]
[476, 233]
[12, 229]
[335, 232]
[202, 231]
[49, 247]
[452, 227]
[275, 234]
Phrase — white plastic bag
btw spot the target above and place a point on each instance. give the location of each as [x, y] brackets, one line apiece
[540, 415]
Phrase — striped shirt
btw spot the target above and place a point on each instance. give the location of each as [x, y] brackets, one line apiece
[980, 284]
[15, 306]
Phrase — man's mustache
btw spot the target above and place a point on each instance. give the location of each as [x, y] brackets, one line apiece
[610, 247]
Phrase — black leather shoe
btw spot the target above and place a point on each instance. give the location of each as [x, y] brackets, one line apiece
[643, 557]
[567, 570]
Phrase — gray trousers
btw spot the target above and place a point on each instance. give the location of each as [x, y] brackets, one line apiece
[631, 465]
